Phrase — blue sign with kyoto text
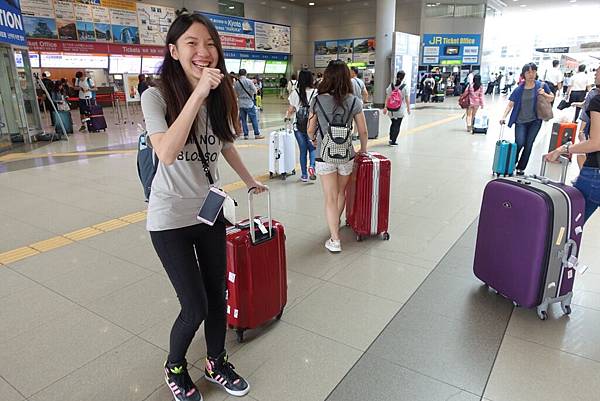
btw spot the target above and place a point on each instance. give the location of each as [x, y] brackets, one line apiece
[11, 23]
[451, 49]
[231, 25]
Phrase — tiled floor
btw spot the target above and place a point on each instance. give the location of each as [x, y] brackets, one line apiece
[403, 319]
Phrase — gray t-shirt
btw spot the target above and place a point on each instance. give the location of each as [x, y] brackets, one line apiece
[358, 86]
[335, 113]
[245, 100]
[403, 109]
[179, 190]
[527, 111]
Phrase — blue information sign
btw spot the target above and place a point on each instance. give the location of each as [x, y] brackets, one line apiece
[11, 23]
[256, 55]
[450, 49]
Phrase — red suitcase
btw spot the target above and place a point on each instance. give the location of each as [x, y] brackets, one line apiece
[368, 196]
[256, 272]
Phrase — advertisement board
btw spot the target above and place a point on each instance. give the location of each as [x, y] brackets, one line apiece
[236, 33]
[364, 51]
[351, 51]
[272, 37]
[325, 51]
[451, 49]
[154, 23]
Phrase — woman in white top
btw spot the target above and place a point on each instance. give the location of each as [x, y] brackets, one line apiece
[397, 115]
[299, 100]
[579, 87]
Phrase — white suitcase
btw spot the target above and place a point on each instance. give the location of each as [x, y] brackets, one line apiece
[481, 124]
[282, 153]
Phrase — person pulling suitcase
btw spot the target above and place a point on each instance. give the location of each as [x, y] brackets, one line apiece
[189, 125]
[335, 108]
[588, 181]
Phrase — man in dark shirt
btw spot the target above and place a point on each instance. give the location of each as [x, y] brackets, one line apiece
[142, 84]
[282, 86]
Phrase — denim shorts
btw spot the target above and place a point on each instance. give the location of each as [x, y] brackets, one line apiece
[588, 182]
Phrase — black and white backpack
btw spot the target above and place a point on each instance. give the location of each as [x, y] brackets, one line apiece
[336, 145]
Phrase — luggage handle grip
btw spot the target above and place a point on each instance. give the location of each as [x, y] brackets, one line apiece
[564, 162]
[569, 252]
[251, 212]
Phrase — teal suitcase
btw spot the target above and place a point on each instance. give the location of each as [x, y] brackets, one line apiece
[505, 157]
[67, 122]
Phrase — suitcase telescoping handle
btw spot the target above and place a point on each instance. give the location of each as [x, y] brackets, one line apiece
[252, 216]
[564, 166]
[501, 131]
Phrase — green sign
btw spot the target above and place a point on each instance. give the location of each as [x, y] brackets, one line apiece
[451, 62]
[358, 65]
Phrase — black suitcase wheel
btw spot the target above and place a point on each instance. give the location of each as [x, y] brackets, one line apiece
[359, 238]
[270, 174]
[386, 236]
[240, 335]
[278, 317]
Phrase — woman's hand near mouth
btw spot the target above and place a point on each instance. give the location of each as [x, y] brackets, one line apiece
[210, 79]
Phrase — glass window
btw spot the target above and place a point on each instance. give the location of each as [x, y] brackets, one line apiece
[439, 10]
[469, 11]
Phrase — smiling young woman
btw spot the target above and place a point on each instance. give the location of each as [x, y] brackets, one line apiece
[190, 116]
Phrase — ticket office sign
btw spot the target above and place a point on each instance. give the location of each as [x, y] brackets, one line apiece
[451, 49]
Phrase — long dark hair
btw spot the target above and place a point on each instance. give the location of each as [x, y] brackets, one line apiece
[221, 103]
[477, 82]
[400, 77]
[305, 81]
[336, 81]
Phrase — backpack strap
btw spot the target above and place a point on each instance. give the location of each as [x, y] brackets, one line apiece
[317, 103]
[350, 111]
[244, 88]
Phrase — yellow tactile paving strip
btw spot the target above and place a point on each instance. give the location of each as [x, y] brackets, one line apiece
[113, 224]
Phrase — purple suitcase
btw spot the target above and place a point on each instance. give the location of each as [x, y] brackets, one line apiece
[96, 121]
[528, 240]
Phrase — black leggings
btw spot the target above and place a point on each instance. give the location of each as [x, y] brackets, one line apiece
[199, 284]
[395, 129]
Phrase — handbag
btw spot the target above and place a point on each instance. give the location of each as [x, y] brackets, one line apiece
[543, 108]
[563, 105]
[463, 101]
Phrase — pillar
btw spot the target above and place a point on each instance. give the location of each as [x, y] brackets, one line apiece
[385, 25]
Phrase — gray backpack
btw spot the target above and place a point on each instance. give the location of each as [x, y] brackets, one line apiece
[336, 146]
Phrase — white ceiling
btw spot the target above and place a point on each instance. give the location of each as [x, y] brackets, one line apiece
[511, 4]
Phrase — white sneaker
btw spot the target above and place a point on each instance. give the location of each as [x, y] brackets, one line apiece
[333, 246]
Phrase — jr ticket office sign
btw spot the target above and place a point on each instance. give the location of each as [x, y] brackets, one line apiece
[451, 49]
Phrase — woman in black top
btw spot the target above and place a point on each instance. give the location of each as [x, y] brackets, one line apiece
[588, 181]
